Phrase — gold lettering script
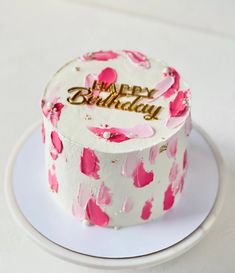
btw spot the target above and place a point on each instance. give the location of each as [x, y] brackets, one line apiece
[114, 99]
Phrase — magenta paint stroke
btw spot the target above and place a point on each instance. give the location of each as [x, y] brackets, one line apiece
[104, 196]
[80, 201]
[56, 142]
[171, 72]
[99, 56]
[178, 106]
[153, 152]
[108, 75]
[89, 163]
[118, 135]
[95, 214]
[52, 110]
[140, 176]
[172, 147]
[147, 209]
[52, 179]
[138, 58]
[169, 198]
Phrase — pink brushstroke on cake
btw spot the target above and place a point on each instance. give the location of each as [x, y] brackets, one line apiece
[185, 160]
[172, 147]
[130, 164]
[178, 106]
[52, 110]
[95, 214]
[162, 88]
[104, 195]
[188, 125]
[108, 75]
[81, 200]
[53, 182]
[100, 56]
[140, 176]
[128, 205]
[118, 135]
[153, 152]
[174, 122]
[43, 133]
[173, 172]
[53, 153]
[175, 85]
[89, 163]
[56, 142]
[147, 209]
[89, 80]
[138, 58]
[169, 198]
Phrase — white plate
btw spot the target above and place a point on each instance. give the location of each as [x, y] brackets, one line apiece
[148, 244]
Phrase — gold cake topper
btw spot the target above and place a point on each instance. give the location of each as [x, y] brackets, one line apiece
[90, 96]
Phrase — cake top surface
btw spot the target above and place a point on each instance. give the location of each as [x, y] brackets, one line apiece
[116, 101]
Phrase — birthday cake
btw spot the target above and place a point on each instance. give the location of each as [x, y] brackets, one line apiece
[115, 128]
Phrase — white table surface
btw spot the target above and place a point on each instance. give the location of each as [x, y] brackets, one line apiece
[197, 37]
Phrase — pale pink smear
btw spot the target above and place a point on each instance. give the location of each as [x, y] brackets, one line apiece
[188, 125]
[104, 196]
[43, 134]
[89, 80]
[81, 200]
[122, 134]
[162, 87]
[100, 56]
[130, 164]
[153, 152]
[141, 177]
[53, 153]
[147, 210]
[175, 86]
[56, 142]
[169, 198]
[181, 182]
[53, 182]
[89, 163]
[174, 122]
[178, 185]
[128, 205]
[138, 58]
[172, 147]
[173, 172]
[95, 215]
[185, 160]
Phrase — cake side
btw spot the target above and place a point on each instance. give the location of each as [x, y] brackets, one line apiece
[116, 166]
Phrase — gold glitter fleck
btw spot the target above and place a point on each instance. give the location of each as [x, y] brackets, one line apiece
[77, 68]
[163, 148]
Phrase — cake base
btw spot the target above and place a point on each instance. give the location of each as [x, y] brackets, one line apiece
[61, 234]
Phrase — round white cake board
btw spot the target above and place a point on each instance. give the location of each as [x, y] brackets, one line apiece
[138, 246]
